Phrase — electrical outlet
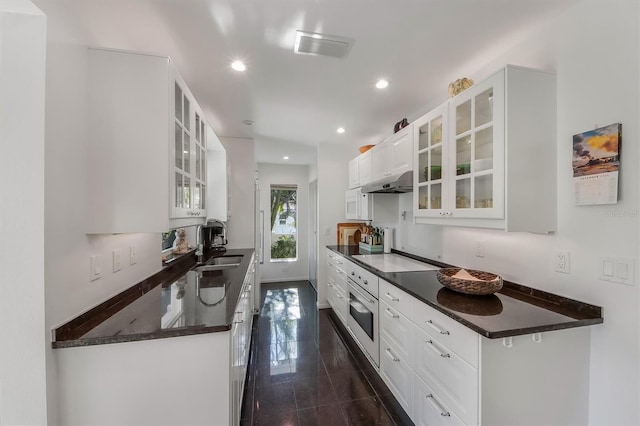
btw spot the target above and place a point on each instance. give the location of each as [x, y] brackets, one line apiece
[562, 261]
[132, 255]
[117, 265]
[95, 270]
[479, 248]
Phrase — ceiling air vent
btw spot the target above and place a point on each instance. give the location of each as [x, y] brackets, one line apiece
[321, 44]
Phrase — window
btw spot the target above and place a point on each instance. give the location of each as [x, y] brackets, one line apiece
[284, 223]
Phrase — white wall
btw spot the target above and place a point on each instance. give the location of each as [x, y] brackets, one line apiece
[22, 331]
[280, 174]
[333, 181]
[241, 225]
[67, 247]
[598, 84]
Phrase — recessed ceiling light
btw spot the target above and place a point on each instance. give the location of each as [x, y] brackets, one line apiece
[285, 158]
[238, 66]
[248, 122]
[340, 130]
[382, 84]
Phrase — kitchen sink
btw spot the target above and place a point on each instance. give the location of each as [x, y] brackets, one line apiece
[205, 268]
[225, 260]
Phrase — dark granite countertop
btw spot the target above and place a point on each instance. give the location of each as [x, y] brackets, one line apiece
[176, 301]
[515, 310]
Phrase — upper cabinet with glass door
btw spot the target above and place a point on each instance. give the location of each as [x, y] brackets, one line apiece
[494, 166]
[188, 180]
[429, 160]
[476, 157]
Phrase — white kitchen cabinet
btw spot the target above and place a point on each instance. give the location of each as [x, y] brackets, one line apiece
[429, 409]
[337, 295]
[358, 205]
[240, 344]
[188, 174]
[218, 179]
[354, 173]
[479, 156]
[396, 372]
[121, 383]
[364, 168]
[146, 152]
[393, 156]
[396, 344]
[444, 373]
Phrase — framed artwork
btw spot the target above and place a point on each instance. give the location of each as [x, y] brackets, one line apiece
[596, 164]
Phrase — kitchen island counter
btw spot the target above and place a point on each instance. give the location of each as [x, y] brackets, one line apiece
[177, 301]
[514, 310]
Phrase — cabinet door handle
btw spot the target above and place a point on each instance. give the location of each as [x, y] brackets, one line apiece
[392, 298]
[433, 347]
[391, 355]
[391, 314]
[238, 322]
[432, 400]
[366, 282]
[436, 328]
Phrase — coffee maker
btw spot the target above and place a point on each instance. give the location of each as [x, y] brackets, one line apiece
[214, 235]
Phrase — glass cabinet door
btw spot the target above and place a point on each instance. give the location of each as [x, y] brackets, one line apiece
[430, 150]
[473, 150]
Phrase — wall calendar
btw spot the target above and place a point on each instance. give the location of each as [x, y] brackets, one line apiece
[596, 164]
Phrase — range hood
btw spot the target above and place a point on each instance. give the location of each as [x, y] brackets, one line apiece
[391, 184]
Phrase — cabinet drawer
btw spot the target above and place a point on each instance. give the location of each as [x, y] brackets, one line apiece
[341, 279]
[397, 330]
[462, 340]
[396, 298]
[364, 278]
[429, 409]
[340, 262]
[397, 374]
[342, 304]
[455, 381]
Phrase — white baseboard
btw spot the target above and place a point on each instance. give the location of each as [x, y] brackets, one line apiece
[323, 305]
[283, 280]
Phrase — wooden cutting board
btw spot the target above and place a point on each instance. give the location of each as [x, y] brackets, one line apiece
[349, 233]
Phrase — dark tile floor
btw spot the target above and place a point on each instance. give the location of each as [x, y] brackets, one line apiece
[303, 372]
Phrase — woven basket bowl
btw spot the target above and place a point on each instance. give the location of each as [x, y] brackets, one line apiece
[365, 148]
[489, 284]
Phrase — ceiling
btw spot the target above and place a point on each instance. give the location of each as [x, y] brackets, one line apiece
[298, 101]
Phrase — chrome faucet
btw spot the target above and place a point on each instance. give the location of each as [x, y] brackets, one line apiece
[199, 247]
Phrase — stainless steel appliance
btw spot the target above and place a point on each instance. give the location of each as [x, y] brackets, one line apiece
[363, 319]
[214, 235]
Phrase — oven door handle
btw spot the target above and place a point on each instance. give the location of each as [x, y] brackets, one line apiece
[362, 295]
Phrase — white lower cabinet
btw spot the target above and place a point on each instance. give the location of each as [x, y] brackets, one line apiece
[455, 380]
[337, 295]
[443, 373]
[395, 358]
[429, 409]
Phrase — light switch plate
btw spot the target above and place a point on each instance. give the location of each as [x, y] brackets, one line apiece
[619, 270]
[117, 264]
[132, 255]
[95, 271]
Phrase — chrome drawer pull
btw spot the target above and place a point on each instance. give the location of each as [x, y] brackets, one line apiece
[438, 329]
[390, 354]
[435, 349]
[392, 298]
[388, 312]
[436, 405]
